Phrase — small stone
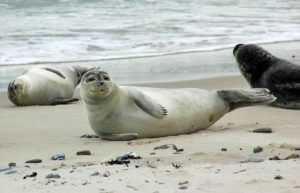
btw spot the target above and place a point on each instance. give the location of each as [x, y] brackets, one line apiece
[293, 56]
[84, 152]
[257, 149]
[275, 158]
[95, 173]
[85, 183]
[183, 183]
[223, 149]
[253, 159]
[12, 164]
[263, 130]
[278, 177]
[10, 172]
[293, 156]
[51, 176]
[5, 169]
[297, 148]
[58, 156]
[33, 161]
[106, 174]
[182, 187]
[89, 136]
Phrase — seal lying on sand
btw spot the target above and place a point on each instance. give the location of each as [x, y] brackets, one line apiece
[45, 85]
[264, 70]
[124, 113]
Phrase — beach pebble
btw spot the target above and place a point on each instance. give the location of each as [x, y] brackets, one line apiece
[58, 156]
[127, 156]
[257, 149]
[33, 161]
[167, 146]
[182, 187]
[223, 149]
[10, 172]
[51, 176]
[84, 152]
[293, 156]
[5, 169]
[89, 136]
[12, 164]
[95, 173]
[297, 148]
[253, 159]
[278, 177]
[106, 174]
[263, 130]
[274, 158]
[183, 183]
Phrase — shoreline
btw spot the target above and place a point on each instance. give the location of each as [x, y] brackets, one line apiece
[145, 55]
[170, 68]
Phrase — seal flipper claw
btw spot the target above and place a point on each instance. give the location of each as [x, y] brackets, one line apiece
[63, 101]
[119, 137]
[149, 105]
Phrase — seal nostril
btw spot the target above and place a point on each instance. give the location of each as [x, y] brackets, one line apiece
[236, 48]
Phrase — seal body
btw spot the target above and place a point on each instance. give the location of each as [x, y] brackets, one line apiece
[264, 70]
[123, 112]
[45, 85]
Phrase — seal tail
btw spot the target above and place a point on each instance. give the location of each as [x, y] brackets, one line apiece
[246, 97]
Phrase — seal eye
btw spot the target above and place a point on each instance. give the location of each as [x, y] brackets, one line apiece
[106, 78]
[91, 79]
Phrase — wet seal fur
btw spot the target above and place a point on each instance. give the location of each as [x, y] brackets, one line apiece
[125, 113]
[264, 70]
[45, 85]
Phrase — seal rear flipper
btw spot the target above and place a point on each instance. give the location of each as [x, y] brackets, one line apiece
[119, 137]
[63, 101]
[149, 105]
[244, 98]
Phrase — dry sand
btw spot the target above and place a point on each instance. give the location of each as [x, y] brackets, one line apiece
[41, 131]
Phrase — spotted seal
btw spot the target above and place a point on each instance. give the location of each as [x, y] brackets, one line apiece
[45, 85]
[123, 112]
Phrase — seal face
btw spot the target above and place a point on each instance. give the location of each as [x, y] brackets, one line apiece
[264, 70]
[45, 85]
[124, 113]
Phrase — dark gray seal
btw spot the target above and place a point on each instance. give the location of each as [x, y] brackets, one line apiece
[264, 70]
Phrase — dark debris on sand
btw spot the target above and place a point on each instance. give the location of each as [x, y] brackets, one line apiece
[263, 130]
[84, 152]
[124, 158]
[167, 146]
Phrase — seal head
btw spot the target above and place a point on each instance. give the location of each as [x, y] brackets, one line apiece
[253, 61]
[97, 84]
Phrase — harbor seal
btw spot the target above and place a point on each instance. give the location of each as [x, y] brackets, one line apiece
[125, 113]
[264, 70]
[45, 85]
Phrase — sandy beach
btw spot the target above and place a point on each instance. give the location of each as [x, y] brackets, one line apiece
[219, 159]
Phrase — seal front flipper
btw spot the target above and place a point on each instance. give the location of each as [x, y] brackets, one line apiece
[149, 105]
[63, 101]
[55, 72]
[119, 137]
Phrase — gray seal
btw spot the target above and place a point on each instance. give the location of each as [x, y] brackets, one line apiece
[124, 112]
[45, 85]
[263, 70]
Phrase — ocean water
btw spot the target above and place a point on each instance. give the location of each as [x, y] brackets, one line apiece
[58, 31]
